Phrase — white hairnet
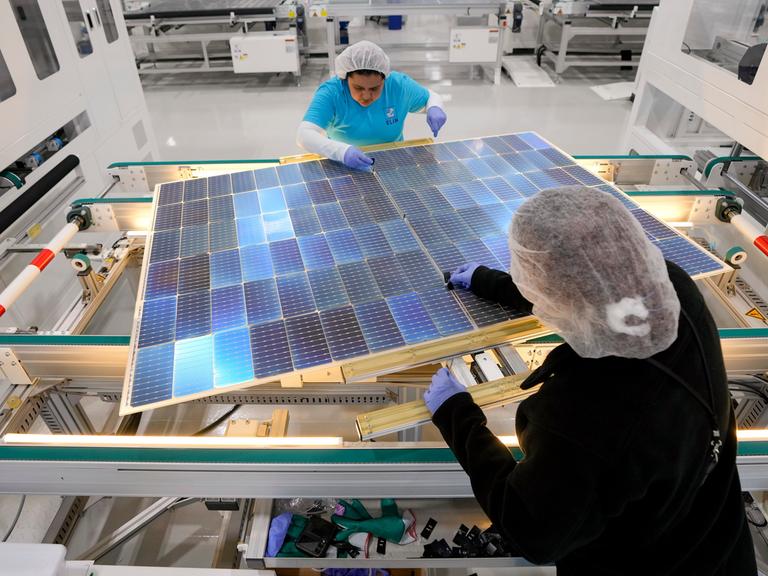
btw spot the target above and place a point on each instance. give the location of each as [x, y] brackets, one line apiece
[584, 262]
[362, 55]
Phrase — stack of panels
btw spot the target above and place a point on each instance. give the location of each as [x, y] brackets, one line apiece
[258, 274]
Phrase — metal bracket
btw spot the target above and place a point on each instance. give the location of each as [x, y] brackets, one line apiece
[11, 368]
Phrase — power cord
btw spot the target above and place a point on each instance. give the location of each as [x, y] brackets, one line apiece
[16, 518]
[218, 421]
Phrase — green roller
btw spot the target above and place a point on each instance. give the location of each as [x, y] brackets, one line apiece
[15, 180]
[735, 255]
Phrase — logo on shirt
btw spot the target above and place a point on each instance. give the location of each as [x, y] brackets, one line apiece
[390, 114]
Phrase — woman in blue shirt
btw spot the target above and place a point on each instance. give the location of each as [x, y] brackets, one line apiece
[365, 104]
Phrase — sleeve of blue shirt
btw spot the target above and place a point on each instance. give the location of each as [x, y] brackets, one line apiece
[414, 93]
[322, 109]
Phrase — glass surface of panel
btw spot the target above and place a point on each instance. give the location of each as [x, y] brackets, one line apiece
[36, 38]
[107, 20]
[7, 86]
[78, 28]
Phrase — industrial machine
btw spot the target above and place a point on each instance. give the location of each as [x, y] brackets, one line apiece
[139, 414]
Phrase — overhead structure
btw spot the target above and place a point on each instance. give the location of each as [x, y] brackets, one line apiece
[264, 275]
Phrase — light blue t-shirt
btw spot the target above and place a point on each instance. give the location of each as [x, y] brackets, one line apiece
[344, 120]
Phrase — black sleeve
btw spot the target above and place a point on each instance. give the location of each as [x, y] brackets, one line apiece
[546, 505]
[498, 286]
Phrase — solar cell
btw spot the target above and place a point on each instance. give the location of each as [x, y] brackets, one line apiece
[260, 273]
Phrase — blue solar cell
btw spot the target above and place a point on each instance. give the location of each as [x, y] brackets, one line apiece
[445, 312]
[157, 321]
[482, 312]
[500, 215]
[689, 257]
[542, 180]
[448, 257]
[343, 246]
[429, 232]
[171, 193]
[412, 318]
[501, 188]
[345, 188]
[474, 250]
[277, 226]
[420, 271]
[306, 341]
[537, 159]
[256, 262]
[498, 145]
[442, 153]
[232, 362]
[269, 350]
[480, 193]
[378, 326]
[289, 174]
[194, 240]
[193, 213]
[343, 334]
[513, 205]
[168, 217]
[453, 226]
[457, 196]
[297, 196]
[305, 221]
[422, 155]
[152, 375]
[623, 198]
[501, 165]
[295, 295]
[227, 308]
[381, 208]
[196, 189]
[247, 204]
[584, 176]
[522, 184]
[356, 212]
[222, 235]
[243, 182]
[331, 216]
[478, 219]
[556, 157]
[219, 185]
[479, 167]
[321, 192]
[367, 183]
[265, 178]
[271, 200]
[334, 169]
[250, 231]
[221, 208]
[514, 142]
[286, 257]
[165, 245]
[415, 177]
[194, 315]
[456, 172]
[262, 303]
[359, 282]
[225, 269]
[392, 179]
[499, 247]
[434, 200]
[162, 279]
[479, 147]
[194, 274]
[311, 171]
[459, 149]
[389, 276]
[534, 140]
[653, 227]
[327, 288]
[315, 252]
[562, 178]
[372, 241]
[409, 203]
[519, 163]
[193, 366]
[399, 236]
[437, 175]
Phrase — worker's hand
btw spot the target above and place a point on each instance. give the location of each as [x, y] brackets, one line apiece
[355, 159]
[436, 118]
[462, 276]
[443, 386]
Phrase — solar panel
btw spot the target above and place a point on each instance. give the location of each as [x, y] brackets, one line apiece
[255, 275]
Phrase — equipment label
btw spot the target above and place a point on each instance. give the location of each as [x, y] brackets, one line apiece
[755, 313]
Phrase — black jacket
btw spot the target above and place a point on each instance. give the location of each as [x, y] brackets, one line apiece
[615, 454]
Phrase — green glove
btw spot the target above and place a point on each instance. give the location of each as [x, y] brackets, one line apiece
[288, 549]
[391, 525]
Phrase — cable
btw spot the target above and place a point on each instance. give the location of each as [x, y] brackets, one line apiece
[688, 48]
[16, 518]
[218, 421]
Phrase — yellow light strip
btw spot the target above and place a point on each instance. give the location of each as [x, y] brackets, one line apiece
[747, 435]
[510, 441]
[171, 441]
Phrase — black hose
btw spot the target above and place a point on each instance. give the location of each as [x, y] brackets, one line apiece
[218, 421]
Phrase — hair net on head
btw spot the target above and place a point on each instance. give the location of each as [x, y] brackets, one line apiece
[362, 55]
[584, 262]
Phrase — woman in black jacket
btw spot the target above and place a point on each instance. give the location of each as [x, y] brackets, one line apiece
[630, 444]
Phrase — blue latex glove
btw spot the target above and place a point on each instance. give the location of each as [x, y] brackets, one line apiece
[462, 276]
[355, 158]
[443, 386]
[436, 118]
[277, 532]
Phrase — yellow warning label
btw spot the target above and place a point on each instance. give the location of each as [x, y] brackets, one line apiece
[34, 231]
[755, 313]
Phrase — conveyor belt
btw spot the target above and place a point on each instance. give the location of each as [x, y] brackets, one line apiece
[201, 8]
